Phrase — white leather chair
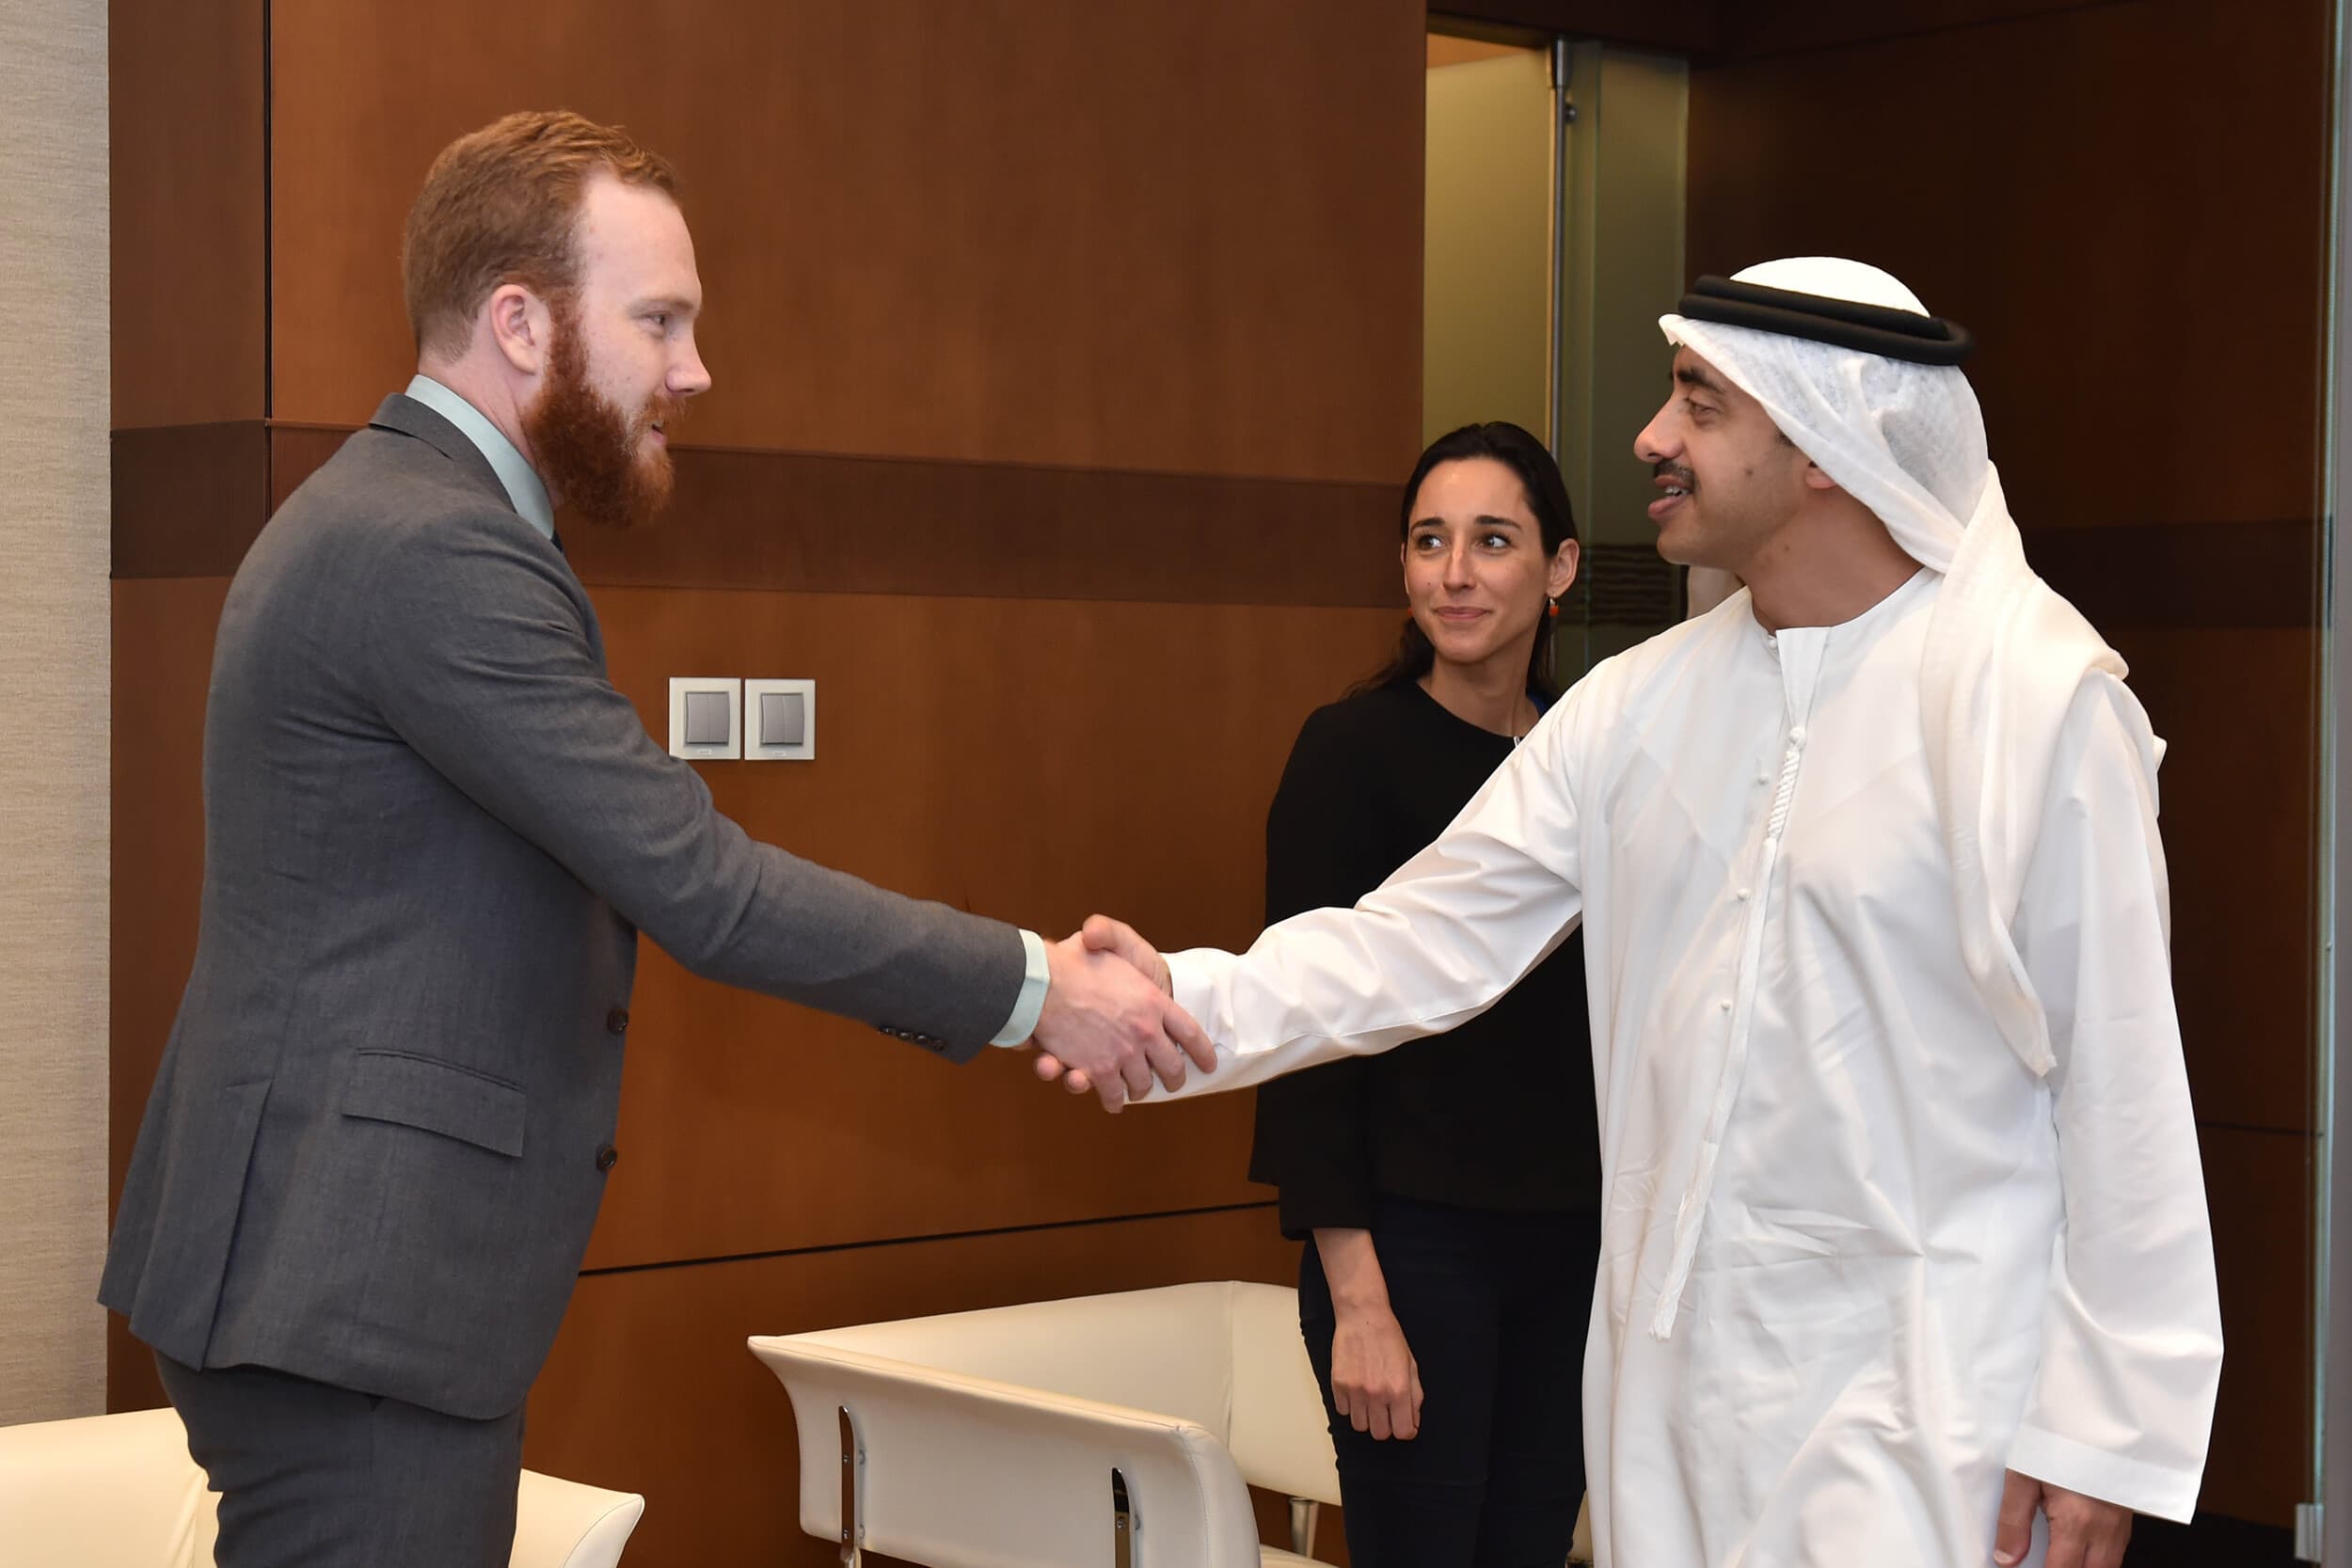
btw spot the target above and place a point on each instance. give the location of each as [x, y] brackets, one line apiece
[122, 1492]
[1011, 1437]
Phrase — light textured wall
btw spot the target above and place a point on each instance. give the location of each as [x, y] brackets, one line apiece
[54, 544]
[1485, 280]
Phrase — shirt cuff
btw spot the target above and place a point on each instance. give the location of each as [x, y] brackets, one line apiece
[1031, 1001]
[1301, 1213]
[2114, 1478]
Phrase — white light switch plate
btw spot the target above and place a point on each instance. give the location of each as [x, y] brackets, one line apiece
[755, 748]
[732, 690]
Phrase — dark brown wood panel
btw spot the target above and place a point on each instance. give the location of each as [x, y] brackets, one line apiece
[162, 653]
[1178, 236]
[1749, 29]
[189, 501]
[2185, 575]
[2239, 807]
[163, 659]
[2259, 1187]
[2146, 282]
[650, 1388]
[186, 197]
[1677, 25]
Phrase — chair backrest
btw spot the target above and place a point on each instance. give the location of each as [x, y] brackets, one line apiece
[121, 1492]
[103, 1492]
[563, 1524]
[960, 1472]
[1279, 1433]
[988, 1437]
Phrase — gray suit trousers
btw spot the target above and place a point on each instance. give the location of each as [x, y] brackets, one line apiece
[310, 1474]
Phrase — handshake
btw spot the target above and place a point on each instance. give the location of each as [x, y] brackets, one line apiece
[1110, 1024]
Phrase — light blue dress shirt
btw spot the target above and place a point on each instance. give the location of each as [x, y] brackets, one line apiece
[529, 493]
[523, 482]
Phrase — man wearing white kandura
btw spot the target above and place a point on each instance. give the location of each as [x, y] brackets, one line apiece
[1905, 1255]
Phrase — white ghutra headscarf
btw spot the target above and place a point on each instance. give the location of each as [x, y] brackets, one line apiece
[2005, 654]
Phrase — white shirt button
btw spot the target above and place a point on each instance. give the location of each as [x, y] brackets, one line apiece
[1796, 736]
[1726, 1006]
[1743, 896]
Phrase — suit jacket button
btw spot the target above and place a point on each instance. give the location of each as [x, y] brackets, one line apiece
[608, 1157]
[616, 1021]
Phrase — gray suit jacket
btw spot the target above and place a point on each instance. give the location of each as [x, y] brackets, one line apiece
[433, 830]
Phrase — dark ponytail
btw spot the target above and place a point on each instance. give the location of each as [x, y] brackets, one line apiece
[1547, 497]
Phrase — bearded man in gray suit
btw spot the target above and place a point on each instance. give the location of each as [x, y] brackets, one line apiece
[433, 831]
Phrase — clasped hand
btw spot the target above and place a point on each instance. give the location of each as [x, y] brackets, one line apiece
[1109, 1023]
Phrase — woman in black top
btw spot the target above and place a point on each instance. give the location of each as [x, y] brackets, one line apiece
[1451, 1186]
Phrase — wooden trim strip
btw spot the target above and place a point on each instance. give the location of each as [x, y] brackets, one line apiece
[189, 499]
[2185, 576]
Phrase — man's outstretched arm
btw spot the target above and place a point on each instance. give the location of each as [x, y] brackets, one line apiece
[1435, 945]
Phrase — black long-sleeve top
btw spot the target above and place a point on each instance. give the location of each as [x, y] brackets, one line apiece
[1497, 1115]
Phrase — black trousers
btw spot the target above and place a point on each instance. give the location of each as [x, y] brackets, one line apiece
[312, 1474]
[1494, 1307]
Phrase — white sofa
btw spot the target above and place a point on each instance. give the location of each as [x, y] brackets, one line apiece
[990, 1439]
[122, 1492]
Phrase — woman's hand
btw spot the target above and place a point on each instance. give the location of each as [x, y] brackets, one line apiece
[1375, 1384]
[1374, 1381]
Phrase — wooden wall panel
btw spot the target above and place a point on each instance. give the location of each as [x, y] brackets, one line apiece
[825, 524]
[163, 661]
[2259, 1185]
[1035, 760]
[188, 500]
[2145, 283]
[2241, 574]
[187, 187]
[650, 1388]
[1753, 28]
[2240, 814]
[1678, 24]
[1061, 233]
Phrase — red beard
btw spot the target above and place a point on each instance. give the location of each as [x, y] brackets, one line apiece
[588, 452]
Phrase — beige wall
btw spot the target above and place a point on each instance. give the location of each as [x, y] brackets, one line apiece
[1486, 240]
[53, 707]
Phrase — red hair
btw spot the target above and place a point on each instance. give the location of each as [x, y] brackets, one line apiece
[501, 205]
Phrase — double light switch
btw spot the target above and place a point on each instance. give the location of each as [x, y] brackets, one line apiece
[717, 719]
[780, 720]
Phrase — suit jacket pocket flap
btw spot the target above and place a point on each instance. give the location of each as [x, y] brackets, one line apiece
[439, 1097]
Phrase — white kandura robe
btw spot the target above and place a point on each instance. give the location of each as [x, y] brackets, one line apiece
[1910, 1261]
